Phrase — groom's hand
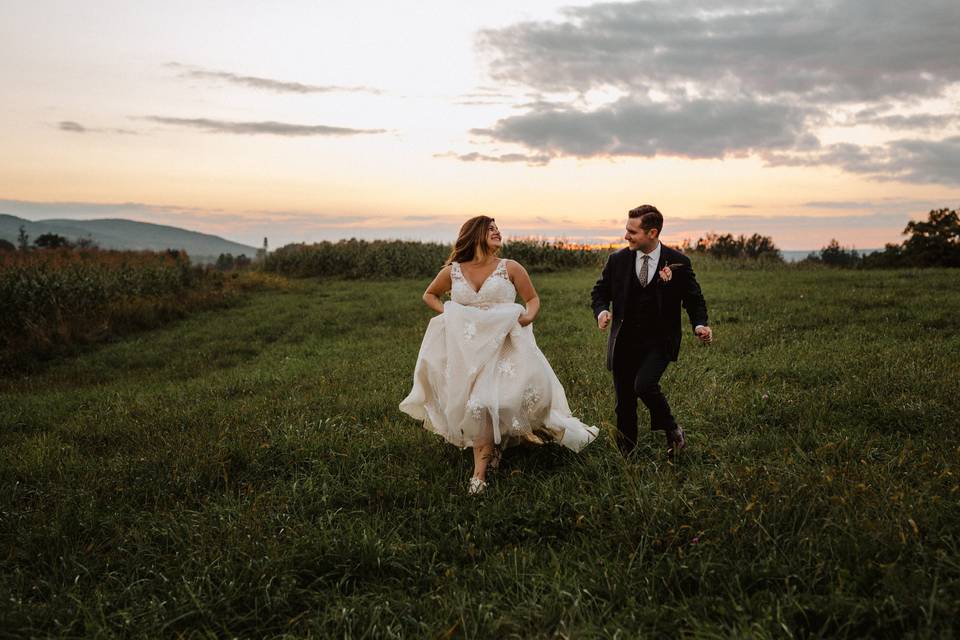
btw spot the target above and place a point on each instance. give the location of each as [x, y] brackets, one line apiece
[704, 334]
[603, 320]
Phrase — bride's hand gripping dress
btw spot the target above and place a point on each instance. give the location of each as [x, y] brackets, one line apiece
[480, 376]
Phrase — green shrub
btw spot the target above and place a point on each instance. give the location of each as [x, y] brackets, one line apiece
[834, 255]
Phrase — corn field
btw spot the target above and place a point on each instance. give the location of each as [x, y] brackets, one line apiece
[55, 295]
[361, 259]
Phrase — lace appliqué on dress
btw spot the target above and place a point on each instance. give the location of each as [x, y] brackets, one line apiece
[475, 408]
[495, 289]
[530, 399]
[507, 368]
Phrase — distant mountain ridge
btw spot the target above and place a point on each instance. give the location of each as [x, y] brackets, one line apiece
[128, 235]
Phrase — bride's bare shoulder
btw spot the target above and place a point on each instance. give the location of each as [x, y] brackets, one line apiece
[515, 269]
[442, 282]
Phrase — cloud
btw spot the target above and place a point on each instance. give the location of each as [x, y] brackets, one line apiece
[267, 84]
[734, 78]
[879, 116]
[479, 103]
[834, 51]
[838, 204]
[52, 209]
[75, 127]
[260, 128]
[906, 160]
[533, 160]
[489, 96]
[628, 127]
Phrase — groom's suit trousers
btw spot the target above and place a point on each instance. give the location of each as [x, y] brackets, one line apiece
[638, 364]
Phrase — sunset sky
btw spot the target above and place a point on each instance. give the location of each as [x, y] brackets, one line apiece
[304, 121]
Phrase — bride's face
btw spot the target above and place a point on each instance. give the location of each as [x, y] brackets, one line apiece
[493, 237]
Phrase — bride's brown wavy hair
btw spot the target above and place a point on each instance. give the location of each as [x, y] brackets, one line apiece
[471, 240]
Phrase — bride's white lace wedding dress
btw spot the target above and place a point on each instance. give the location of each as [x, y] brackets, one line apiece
[480, 376]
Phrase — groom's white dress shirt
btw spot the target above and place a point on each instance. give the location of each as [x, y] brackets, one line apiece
[651, 266]
[651, 270]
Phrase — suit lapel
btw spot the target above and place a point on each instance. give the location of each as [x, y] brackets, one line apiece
[632, 277]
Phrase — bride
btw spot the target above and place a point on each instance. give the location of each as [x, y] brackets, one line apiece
[480, 379]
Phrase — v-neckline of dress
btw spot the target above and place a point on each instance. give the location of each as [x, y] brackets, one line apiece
[477, 290]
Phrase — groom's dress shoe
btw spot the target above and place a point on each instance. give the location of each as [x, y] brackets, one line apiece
[675, 441]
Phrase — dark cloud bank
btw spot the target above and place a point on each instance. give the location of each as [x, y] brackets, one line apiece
[718, 79]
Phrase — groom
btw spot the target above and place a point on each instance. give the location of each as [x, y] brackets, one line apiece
[647, 283]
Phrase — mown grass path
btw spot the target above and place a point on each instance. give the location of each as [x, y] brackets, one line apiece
[246, 472]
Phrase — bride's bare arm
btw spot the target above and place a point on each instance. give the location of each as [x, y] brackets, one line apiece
[440, 285]
[521, 280]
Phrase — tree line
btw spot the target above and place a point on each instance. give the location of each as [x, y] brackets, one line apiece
[934, 242]
[45, 241]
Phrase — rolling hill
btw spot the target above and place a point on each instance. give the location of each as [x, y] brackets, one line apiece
[118, 233]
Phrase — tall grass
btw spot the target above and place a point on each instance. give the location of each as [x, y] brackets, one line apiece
[362, 259]
[53, 298]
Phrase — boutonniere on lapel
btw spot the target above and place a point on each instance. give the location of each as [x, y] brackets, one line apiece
[666, 273]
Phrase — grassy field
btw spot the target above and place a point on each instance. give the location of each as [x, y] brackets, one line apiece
[246, 472]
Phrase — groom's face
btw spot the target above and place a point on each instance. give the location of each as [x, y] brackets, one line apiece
[639, 238]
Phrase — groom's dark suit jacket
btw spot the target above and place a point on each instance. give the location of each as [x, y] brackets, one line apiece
[614, 286]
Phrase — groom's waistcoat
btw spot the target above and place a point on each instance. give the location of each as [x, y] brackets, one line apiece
[642, 307]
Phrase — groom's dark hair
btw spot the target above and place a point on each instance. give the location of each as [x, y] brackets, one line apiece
[650, 217]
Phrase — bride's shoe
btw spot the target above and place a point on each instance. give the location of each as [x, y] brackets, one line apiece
[532, 438]
[476, 487]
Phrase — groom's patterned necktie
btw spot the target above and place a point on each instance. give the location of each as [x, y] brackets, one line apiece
[644, 270]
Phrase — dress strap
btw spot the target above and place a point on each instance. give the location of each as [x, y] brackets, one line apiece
[501, 268]
[455, 272]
